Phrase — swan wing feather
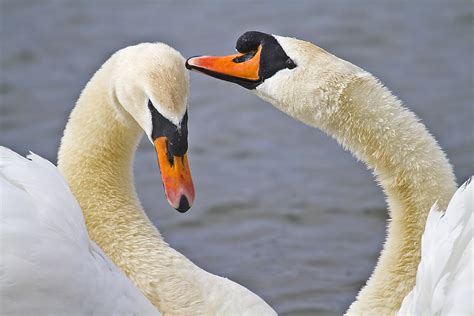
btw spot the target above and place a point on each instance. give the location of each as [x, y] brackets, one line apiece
[48, 264]
[444, 278]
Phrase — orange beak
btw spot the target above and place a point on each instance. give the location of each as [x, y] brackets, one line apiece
[179, 188]
[240, 66]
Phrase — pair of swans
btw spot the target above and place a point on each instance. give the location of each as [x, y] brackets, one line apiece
[121, 101]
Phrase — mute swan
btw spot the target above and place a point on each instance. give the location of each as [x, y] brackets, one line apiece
[140, 88]
[352, 106]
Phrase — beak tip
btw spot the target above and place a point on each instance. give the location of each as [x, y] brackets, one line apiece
[184, 205]
[189, 63]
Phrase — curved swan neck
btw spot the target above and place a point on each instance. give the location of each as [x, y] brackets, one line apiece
[96, 158]
[413, 172]
[99, 134]
[351, 105]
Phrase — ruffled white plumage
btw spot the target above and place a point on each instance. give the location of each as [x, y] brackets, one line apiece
[444, 280]
[48, 264]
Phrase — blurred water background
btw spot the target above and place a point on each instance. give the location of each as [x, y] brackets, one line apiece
[280, 207]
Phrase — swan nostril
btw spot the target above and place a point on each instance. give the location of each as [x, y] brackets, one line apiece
[183, 205]
[169, 153]
[244, 57]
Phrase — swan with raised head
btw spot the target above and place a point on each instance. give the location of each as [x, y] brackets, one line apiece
[351, 105]
[48, 262]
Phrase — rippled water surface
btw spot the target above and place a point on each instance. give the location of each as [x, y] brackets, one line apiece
[280, 207]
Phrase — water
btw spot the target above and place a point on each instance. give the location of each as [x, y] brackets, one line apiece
[280, 207]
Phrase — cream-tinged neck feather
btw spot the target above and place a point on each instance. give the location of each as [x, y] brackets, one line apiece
[96, 158]
[356, 109]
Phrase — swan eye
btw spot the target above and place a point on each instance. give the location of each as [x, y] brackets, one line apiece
[244, 57]
[290, 64]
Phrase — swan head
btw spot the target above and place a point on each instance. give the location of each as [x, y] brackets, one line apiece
[281, 70]
[150, 83]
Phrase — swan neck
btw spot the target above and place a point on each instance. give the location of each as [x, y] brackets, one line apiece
[96, 158]
[97, 150]
[365, 118]
[411, 168]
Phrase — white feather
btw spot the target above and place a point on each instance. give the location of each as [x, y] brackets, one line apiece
[444, 280]
[48, 264]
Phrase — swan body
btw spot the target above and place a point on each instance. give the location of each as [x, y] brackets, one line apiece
[48, 263]
[140, 89]
[352, 106]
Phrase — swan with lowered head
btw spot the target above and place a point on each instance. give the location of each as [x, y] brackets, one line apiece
[141, 88]
[352, 106]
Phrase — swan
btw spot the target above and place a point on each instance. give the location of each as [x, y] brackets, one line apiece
[140, 88]
[352, 106]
